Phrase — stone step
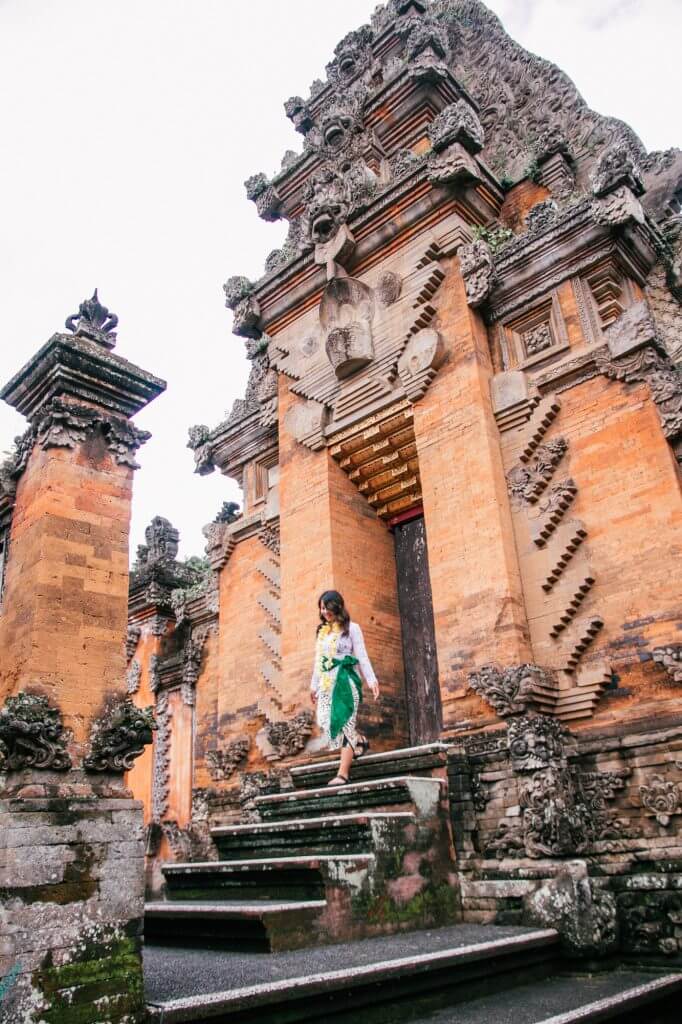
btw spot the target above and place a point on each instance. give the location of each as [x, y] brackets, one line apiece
[265, 925]
[427, 759]
[422, 795]
[278, 878]
[350, 833]
[628, 997]
[375, 975]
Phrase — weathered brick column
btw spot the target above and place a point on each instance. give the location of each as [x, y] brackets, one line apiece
[479, 616]
[71, 852]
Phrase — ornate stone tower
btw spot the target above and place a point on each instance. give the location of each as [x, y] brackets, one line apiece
[71, 844]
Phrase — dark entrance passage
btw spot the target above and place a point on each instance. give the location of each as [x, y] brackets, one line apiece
[419, 640]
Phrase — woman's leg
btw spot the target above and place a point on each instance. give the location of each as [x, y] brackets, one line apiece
[346, 760]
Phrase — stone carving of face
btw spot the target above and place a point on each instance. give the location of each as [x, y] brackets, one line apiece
[534, 742]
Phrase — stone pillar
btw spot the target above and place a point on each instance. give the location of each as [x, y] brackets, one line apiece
[71, 836]
[478, 602]
[331, 538]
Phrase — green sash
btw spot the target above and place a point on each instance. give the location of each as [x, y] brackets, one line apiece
[343, 704]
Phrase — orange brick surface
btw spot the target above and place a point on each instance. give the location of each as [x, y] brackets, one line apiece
[64, 609]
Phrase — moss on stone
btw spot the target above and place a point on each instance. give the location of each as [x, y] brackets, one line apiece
[108, 971]
[434, 905]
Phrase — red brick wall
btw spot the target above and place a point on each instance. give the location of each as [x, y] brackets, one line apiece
[65, 606]
[477, 598]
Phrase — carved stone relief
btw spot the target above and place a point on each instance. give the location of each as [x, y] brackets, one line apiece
[478, 270]
[224, 762]
[661, 798]
[161, 772]
[288, 738]
[670, 657]
[119, 737]
[32, 735]
[346, 315]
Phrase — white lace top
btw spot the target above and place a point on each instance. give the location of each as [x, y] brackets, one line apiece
[352, 643]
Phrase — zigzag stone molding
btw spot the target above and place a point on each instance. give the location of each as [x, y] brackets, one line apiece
[558, 577]
[271, 704]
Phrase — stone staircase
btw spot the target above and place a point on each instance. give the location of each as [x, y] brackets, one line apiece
[323, 865]
[345, 900]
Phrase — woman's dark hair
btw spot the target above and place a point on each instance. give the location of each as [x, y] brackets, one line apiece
[333, 601]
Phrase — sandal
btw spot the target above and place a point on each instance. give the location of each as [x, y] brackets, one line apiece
[338, 780]
[362, 748]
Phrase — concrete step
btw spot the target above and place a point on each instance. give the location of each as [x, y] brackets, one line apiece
[278, 878]
[264, 925]
[349, 833]
[315, 985]
[405, 793]
[427, 759]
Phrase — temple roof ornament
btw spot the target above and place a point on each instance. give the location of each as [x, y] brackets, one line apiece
[93, 321]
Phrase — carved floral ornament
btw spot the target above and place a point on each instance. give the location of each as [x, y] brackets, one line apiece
[510, 691]
[661, 798]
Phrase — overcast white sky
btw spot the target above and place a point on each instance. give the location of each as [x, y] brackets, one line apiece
[128, 129]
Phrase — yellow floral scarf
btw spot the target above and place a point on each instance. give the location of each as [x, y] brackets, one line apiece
[326, 652]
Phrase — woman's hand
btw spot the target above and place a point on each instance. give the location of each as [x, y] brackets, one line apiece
[313, 697]
[375, 690]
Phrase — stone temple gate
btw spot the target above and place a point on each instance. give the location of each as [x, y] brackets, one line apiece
[464, 412]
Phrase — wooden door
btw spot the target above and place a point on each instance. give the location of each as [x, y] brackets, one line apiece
[419, 639]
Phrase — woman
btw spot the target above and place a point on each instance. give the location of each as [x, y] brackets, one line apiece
[336, 687]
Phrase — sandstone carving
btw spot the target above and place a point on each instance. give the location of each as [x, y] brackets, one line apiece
[240, 299]
[527, 482]
[456, 123]
[420, 361]
[509, 691]
[306, 422]
[200, 443]
[617, 166]
[31, 735]
[670, 657]
[534, 742]
[661, 797]
[94, 321]
[452, 167]
[478, 270]
[224, 762]
[584, 915]
[133, 676]
[542, 216]
[619, 207]
[119, 737]
[289, 738]
[132, 636]
[161, 770]
[346, 314]
[62, 424]
[388, 288]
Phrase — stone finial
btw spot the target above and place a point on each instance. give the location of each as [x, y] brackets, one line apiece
[240, 299]
[457, 123]
[200, 443]
[617, 166]
[31, 735]
[298, 112]
[119, 737]
[162, 543]
[94, 321]
[228, 513]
